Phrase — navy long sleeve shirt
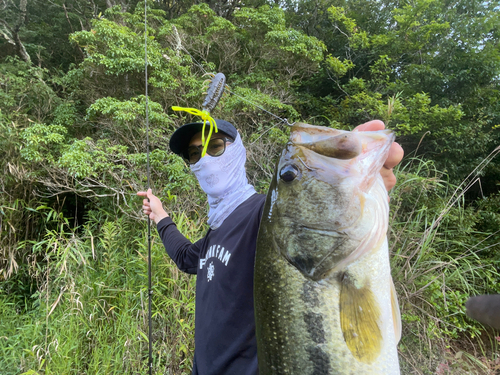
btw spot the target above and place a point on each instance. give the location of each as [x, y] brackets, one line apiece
[223, 261]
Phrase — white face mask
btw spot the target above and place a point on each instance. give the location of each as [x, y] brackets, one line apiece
[218, 175]
[223, 179]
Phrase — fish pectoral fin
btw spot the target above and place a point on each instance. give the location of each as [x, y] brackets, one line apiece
[359, 320]
[396, 313]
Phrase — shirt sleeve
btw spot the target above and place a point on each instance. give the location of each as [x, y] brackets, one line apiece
[182, 251]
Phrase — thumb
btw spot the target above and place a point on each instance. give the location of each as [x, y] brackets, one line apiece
[150, 193]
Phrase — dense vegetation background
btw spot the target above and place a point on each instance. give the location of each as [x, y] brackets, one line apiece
[73, 263]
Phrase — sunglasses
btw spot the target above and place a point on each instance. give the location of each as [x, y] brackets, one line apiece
[216, 147]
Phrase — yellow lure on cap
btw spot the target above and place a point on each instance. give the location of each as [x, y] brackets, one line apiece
[205, 116]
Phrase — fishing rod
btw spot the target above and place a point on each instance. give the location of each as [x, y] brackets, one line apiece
[150, 290]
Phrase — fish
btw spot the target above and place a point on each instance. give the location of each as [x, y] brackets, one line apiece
[325, 301]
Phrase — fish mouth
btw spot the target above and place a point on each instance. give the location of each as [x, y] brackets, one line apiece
[311, 250]
[340, 144]
[332, 155]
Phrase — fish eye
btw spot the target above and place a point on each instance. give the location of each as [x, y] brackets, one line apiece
[289, 173]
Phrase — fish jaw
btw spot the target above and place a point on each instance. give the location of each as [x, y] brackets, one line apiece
[338, 199]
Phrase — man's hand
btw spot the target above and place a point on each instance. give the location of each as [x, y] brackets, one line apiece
[152, 206]
[395, 155]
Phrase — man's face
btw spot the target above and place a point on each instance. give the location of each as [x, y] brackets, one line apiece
[216, 146]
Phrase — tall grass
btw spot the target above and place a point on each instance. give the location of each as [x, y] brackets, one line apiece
[442, 253]
[89, 315]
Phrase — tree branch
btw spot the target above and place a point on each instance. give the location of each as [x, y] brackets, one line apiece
[13, 38]
[8, 30]
[82, 55]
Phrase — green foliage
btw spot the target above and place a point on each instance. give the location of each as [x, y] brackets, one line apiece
[41, 141]
[249, 100]
[112, 46]
[129, 112]
[26, 91]
[339, 68]
[337, 14]
[297, 44]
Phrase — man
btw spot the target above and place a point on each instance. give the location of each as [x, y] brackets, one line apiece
[223, 260]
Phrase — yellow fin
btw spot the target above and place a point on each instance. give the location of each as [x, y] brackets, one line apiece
[359, 317]
[396, 314]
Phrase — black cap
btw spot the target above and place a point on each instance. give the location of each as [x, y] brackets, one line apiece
[181, 137]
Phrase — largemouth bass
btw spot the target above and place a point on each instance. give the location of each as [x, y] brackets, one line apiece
[324, 298]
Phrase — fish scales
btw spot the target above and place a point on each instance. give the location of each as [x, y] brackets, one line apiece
[324, 298]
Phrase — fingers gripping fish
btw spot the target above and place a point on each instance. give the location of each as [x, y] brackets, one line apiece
[324, 298]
